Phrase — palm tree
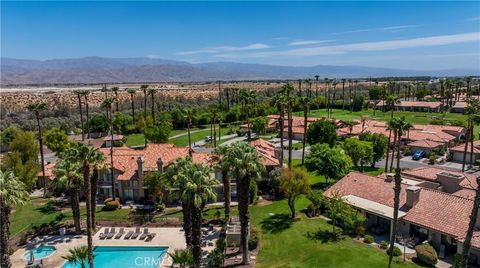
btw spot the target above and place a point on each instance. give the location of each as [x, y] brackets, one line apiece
[132, 92]
[244, 165]
[288, 91]
[327, 86]
[400, 126]
[68, 176]
[390, 102]
[189, 114]
[108, 105]
[343, 93]
[200, 188]
[85, 94]
[316, 84]
[37, 108]
[12, 193]
[115, 91]
[182, 258]
[247, 97]
[280, 101]
[473, 111]
[304, 101]
[152, 92]
[77, 255]
[79, 97]
[89, 156]
[218, 160]
[144, 89]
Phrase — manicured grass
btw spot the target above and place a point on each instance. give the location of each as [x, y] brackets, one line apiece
[135, 139]
[183, 141]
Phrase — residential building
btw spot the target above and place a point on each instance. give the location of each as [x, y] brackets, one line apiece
[457, 152]
[418, 106]
[426, 146]
[435, 206]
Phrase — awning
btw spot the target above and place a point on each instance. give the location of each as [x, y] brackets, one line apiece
[372, 207]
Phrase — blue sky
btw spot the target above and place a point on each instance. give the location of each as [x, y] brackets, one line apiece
[406, 35]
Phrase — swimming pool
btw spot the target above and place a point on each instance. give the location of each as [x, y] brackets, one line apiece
[125, 257]
[40, 252]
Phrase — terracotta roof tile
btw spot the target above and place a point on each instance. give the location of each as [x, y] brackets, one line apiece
[267, 151]
[425, 144]
[461, 147]
[48, 171]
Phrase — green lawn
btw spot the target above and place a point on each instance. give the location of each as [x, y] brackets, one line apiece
[135, 139]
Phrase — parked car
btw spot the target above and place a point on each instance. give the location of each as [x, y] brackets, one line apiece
[418, 155]
[208, 139]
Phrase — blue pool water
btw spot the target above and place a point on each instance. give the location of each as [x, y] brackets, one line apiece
[40, 252]
[125, 257]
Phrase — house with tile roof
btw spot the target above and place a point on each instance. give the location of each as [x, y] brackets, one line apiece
[457, 152]
[438, 215]
[417, 106]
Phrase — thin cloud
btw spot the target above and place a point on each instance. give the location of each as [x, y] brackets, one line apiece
[473, 19]
[367, 46]
[381, 29]
[309, 42]
[224, 49]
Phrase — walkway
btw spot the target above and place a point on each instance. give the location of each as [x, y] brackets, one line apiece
[185, 134]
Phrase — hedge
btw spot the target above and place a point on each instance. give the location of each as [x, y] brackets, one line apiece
[426, 254]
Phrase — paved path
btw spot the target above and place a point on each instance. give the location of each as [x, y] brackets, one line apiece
[201, 143]
[186, 133]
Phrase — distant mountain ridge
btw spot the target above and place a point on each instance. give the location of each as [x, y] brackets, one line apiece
[136, 70]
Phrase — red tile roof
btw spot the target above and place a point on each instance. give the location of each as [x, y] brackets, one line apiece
[460, 148]
[267, 151]
[425, 144]
[429, 104]
[430, 174]
[48, 171]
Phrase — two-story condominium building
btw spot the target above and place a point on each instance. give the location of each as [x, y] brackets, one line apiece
[435, 206]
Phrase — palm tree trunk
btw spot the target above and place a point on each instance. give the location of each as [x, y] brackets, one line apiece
[189, 138]
[393, 151]
[88, 116]
[88, 193]
[226, 192]
[81, 115]
[187, 223]
[111, 155]
[116, 101]
[243, 202]
[305, 118]
[467, 136]
[94, 198]
[290, 133]
[196, 236]
[471, 226]
[133, 108]
[291, 205]
[343, 95]
[388, 150]
[42, 161]
[281, 121]
[4, 235]
[471, 143]
[153, 106]
[396, 203]
[74, 202]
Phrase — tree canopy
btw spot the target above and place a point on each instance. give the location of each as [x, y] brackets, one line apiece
[361, 152]
[294, 183]
[379, 143]
[322, 131]
[57, 140]
[330, 162]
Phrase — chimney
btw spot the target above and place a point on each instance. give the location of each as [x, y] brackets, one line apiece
[160, 164]
[140, 167]
[413, 195]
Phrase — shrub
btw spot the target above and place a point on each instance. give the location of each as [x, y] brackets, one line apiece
[160, 207]
[427, 254]
[360, 230]
[368, 239]
[477, 162]
[111, 204]
[396, 251]
[431, 158]
[253, 241]
[449, 157]
[383, 244]
[407, 151]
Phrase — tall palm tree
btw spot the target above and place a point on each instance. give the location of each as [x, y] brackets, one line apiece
[68, 176]
[473, 111]
[115, 91]
[12, 193]
[350, 94]
[280, 102]
[400, 126]
[316, 84]
[189, 114]
[88, 156]
[79, 97]
[218, 160]
[390, 102]
[152, 92]
[200, 188]
[305, 102]
[247, 98]
[244, 164]
[327, 86]
[144, 89]
[85, 94]
[288, 89]
[343, 93]
[132, 92]
[108, 106]
[36, 109]
[77, 255]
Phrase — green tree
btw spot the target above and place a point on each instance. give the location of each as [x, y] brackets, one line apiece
[22, 158]
[57, 140]
[79, 94]
[361, 152]
[68, 176]
[338, 210]
[77, 255]
[189, 115]
[158, 133]
[218, 160]
[322, 131]
[144, 88]
[330, 162]
[248, 98]
[294, 183]
[259, 125]
[305, 102]
[379, 142]
[280, 102]
[120, 122]
[158, 184]
[98, 123]
[12, 193]
[244, 165]
[152, 92]
[182, 258]
[37, 109]
[115, 92]
[8, 135]
[132, 93]
[317, 199]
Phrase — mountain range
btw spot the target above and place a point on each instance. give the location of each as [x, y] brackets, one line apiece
[89, 70]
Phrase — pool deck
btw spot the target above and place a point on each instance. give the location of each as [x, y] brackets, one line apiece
[173, 238]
